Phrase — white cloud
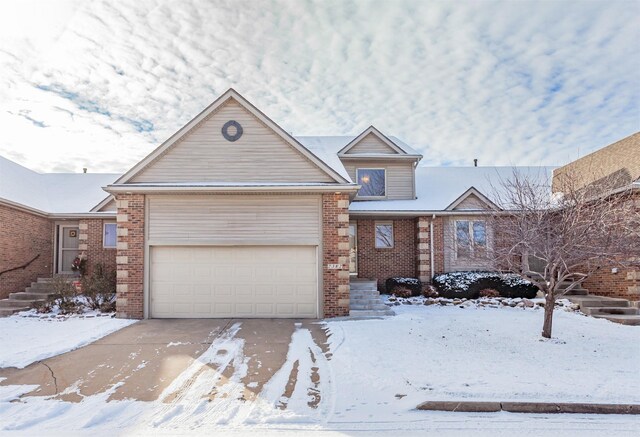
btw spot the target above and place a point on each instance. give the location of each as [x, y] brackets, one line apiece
[100, 84]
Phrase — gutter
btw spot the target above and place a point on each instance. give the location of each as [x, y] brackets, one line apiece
[431, 255]
[417, 213]
[143, 189]
[57, 215]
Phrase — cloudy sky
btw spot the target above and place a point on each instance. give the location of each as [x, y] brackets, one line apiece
[100, 84]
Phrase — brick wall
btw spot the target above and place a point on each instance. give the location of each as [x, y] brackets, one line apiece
[91, 244]
[625, 283]
[130, 256]
[24, 235]
[380, 264]
[335, 250]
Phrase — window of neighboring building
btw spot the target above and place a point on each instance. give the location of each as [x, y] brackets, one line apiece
[109, 238]
[471, 238]
[384, 235]
[373, 182]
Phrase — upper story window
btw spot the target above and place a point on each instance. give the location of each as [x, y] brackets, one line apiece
[373, 182]
[109, 239]
[471, 238]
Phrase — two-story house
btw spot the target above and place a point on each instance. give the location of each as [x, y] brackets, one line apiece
[234, 217]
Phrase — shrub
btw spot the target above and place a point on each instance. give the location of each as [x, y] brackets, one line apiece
[64, 295]
[469, 284]
[489, 292]
[430, 291]
[410, 286]
[99, 289]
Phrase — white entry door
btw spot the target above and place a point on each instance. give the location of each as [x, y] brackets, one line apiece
[67, 247]
[233, 281]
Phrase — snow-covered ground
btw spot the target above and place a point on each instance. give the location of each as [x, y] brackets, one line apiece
[373, 376]
[29, 338]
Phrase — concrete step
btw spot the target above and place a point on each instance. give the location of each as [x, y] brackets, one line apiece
[366, 301]
[42, 291]
[19, 304]
[370, 313]
[363, 285]
[598, 301]
[6, 312]
[625, 319]
[577, 292]
[41, 286]
[592, 311]
[22, 303]
[29, 296]
[362, 293]
[376, 306]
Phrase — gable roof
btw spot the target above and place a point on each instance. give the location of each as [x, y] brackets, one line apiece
[54, 193]
[470, 193]
[230, 94]
[398, 148]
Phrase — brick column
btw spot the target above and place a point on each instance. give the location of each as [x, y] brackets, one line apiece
[130, 256]
[335, 250]
[423, 249]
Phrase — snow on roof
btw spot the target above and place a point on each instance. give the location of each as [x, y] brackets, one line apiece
[327, 148]
[439, 187]
[52, 192]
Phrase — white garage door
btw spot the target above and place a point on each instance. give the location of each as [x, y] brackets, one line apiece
[233, 281]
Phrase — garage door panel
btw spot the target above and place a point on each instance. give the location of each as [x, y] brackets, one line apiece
[233, 281]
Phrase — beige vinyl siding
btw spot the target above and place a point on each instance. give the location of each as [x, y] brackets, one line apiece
[471, 202]
[371, 144]
[234, 219]
[204, 155]
[451, 262]
[400, 176]
[110, 206]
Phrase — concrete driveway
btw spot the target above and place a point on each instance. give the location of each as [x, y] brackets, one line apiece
[152, 357]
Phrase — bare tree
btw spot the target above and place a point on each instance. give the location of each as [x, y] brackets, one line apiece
[570, 235]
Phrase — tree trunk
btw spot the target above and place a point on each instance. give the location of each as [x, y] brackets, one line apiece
[550, 303]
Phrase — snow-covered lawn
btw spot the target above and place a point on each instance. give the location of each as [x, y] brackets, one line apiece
[24, 340]
[373, 376]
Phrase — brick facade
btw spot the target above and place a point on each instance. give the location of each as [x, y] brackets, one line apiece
[90, 243]
[335, 250]
[130, 256]
[381, 264]
[625, 283]
[23, 235]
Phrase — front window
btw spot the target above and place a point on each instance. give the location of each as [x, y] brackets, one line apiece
[384, 235]
[373, 182]
[109, 238]
[471, 238]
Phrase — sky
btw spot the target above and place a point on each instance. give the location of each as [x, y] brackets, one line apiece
[100, 84]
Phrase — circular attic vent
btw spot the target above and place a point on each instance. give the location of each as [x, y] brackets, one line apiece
[232, 131]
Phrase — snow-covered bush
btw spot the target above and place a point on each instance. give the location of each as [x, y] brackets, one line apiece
[469, 284]
[403, 286]
[489, 292]
[64, 296]
[99, 289]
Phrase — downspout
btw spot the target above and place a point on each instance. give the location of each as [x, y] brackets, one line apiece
[431, 245]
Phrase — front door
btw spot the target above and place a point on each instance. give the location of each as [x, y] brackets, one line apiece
[67, 247]
[353, 249]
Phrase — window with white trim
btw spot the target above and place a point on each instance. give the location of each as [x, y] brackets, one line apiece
[384, 235]
[373, 182]
[471, 238]
[109, 235]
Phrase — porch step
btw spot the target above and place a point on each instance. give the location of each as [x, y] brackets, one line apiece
[577, 292]
[370, 313]
[29, 296]
[593, 311]
[626, 319]
[369, 307]
[6, 312]
[358, 285]
[593, 301]
[364, 294]
[40, 286]
[21, 304]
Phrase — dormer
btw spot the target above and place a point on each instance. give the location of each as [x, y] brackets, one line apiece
[383, 166]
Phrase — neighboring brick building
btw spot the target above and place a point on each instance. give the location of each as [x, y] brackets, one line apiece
[611, 168]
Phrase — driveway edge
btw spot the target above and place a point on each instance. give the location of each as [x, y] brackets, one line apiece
[529, 407]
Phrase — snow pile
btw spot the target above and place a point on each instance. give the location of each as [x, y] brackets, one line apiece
[30, 337]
